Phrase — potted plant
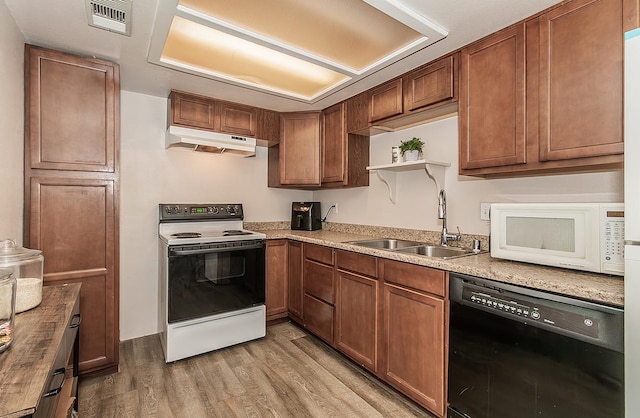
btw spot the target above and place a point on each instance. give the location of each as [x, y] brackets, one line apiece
[411, 149]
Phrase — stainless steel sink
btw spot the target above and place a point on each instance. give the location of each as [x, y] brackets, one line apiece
[386, 243]
[414, 247]
[437, 251]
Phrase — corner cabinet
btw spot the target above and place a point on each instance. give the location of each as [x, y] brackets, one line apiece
[294, 282]
[545, 95]
[344, 156]
[71, 189]
[276, 279]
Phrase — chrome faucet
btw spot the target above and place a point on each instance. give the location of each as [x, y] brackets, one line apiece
[445, 237]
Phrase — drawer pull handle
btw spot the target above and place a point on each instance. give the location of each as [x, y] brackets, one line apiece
[75, 321]
[57, 375]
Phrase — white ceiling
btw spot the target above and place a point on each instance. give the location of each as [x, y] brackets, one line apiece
[62, 24]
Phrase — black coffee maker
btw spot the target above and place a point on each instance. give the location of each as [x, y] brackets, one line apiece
[305, 216]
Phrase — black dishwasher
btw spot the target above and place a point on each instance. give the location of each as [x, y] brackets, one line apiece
[517, 352]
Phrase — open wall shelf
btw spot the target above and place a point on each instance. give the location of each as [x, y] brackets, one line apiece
[387, 173]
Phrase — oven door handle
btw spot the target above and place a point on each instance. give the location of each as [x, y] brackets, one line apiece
[214, 250]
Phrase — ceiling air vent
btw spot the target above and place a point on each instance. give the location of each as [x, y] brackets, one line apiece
[111, 15]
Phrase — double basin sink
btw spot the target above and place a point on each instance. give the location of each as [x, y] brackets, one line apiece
[415, 247]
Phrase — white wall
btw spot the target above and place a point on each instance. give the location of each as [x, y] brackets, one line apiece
[152, 174]
[417, 198]
[12, 124]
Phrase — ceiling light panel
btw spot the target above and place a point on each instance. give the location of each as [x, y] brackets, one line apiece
[350, 33]
[200, 48]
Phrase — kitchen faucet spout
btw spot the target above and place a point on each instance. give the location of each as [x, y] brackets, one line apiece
[445, 237]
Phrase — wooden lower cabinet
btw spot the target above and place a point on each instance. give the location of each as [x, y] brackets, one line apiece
[276, 280]
[388, 316]
[294, 284]
[413, 345]
[357, 318]
[318, 317]
[74, 222]
[319, 291]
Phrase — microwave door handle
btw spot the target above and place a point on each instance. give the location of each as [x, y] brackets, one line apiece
[214, 250]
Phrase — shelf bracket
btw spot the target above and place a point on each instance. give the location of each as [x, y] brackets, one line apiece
[389, 178]
[388, 173]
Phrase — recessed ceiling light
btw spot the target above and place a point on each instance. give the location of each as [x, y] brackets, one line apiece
[302, 49]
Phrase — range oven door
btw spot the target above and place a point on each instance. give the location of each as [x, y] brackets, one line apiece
[209, 279]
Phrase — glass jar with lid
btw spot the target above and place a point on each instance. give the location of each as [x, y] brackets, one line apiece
[27, 268]
[7, 308]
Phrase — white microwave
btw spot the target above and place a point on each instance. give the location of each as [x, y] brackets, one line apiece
[581, 236]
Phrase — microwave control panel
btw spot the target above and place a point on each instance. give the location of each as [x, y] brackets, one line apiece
[612, 240]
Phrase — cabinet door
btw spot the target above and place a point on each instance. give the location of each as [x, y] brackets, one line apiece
[334, 144]
[318, 318]
[581, 80]
[430, 85]
[385, 101]
[237, 119]
[72, 107]
[276, 282]
[491, 108]
[268, 126]
[357, 109]
[83, 250]
[192, 111]
[413, 343]
[300, 149]
[357, 318]
[295, 289]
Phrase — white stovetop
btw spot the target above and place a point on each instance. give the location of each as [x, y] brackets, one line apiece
[210, 232]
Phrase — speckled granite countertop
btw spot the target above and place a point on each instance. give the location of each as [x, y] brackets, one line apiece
[590, 286]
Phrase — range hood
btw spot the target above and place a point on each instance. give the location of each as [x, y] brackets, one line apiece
[207, 141]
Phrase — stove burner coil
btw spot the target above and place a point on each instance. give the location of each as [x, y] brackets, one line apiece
[233, 232]
[186, 235]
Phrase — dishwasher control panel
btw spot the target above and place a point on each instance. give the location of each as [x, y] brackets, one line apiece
[551, 316]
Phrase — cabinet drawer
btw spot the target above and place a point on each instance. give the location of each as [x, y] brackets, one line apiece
[318, 281]
[318, 253]
[318, 318]
[363, 264]
[417, 277]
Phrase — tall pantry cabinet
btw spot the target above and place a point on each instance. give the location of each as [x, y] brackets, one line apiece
[72, 131]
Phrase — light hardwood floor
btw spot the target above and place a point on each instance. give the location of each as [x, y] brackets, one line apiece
[286, 374]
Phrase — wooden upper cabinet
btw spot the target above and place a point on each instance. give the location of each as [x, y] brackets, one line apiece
[73, 109]
[430, 85]
[357, 108]
[191, 111]
[581, 80]
[268, 126]
[200, 112]
[299, 157]
[333, 144]
[237, 119]
[385, 100]
[491, 109]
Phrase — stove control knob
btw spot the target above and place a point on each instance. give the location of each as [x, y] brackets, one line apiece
[176, 209]
[215, 209]
[209, 209]
[231, 209]
[167, 209]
